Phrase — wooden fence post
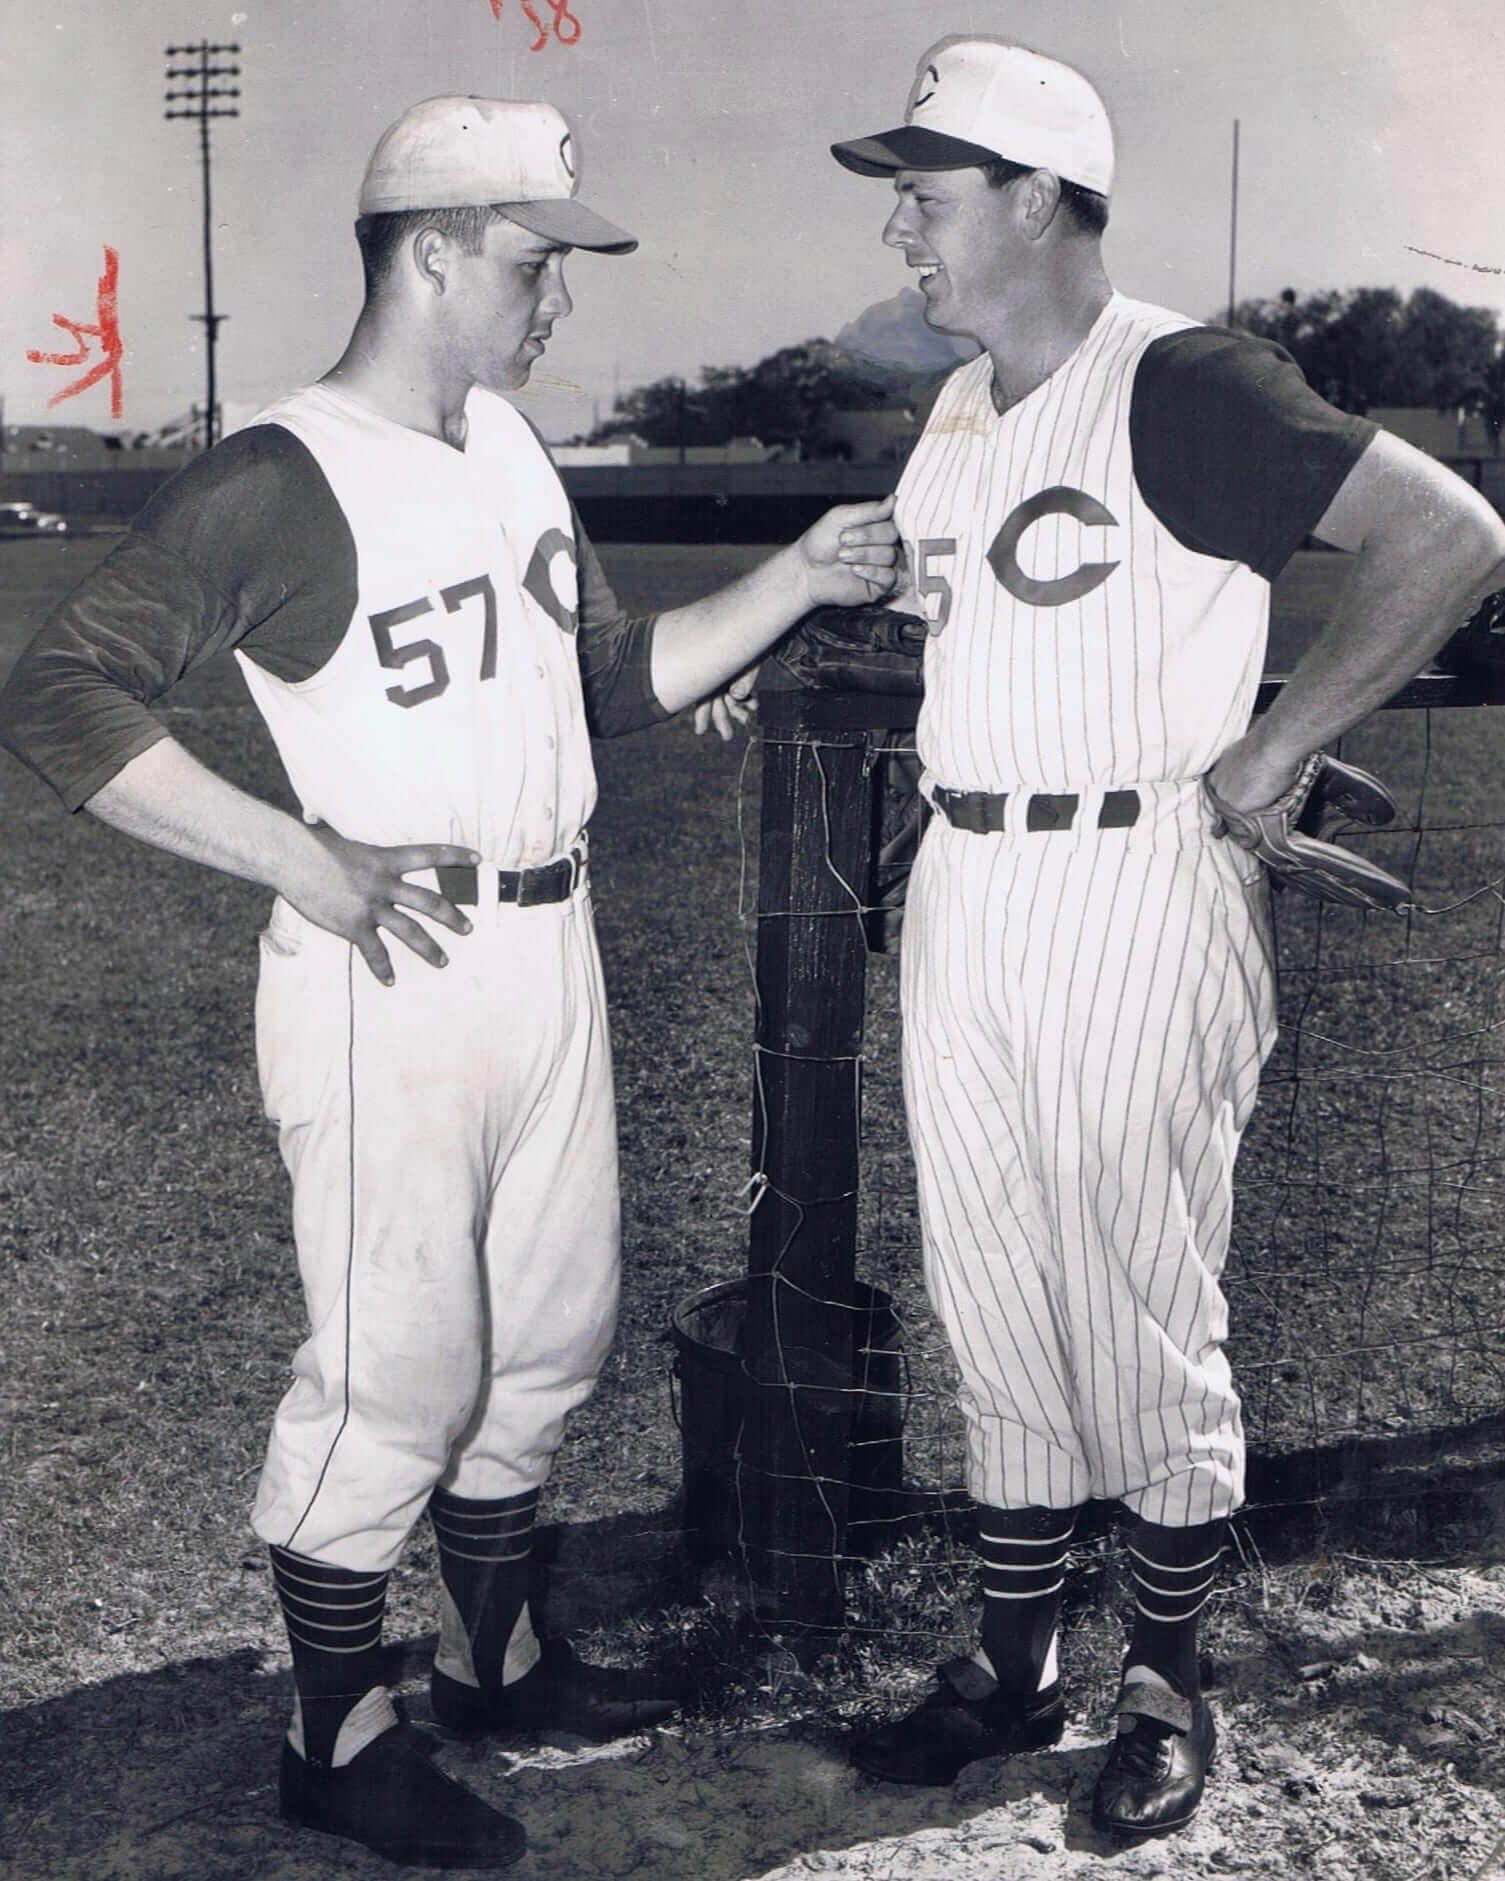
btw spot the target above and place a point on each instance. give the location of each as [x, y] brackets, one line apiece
[814, 868]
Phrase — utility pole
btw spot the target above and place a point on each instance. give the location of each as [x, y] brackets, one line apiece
[198, 103]
[1233, 232]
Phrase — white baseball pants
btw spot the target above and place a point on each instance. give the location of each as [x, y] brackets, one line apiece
[452, 1147]
[1085, 1017]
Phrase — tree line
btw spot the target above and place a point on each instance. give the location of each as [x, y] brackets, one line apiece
[786, 399]
[1366, 346]
[1359, 347]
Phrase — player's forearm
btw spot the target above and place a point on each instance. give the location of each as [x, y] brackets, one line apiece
[165, 797]
[696, 649]
[1403, 598]
[846, 557]
[1427, 547]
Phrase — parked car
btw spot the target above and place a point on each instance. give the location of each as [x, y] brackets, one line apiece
[25, 519]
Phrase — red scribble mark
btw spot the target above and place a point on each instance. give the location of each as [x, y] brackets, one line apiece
[106, 331]
[564, 25]
[561, 19]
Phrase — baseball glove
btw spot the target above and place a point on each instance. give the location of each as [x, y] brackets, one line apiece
[900, 822]
[1285, 834]
[850, 649]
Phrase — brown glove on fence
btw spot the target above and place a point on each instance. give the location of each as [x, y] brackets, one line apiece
[850, 649]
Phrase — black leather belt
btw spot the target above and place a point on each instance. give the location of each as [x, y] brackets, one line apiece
[981, 811]
[529, 888]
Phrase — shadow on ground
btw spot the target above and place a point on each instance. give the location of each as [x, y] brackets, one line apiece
[170, 1776]
[1363, 1743]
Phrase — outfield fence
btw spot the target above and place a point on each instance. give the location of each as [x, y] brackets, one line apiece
[1366, 1288]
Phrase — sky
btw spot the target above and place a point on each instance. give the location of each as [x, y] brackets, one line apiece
[1369, 130]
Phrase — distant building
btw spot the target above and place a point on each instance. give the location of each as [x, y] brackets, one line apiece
[625, 451]
[735, 451]
[593, 456]
[67, 448]
[57, 447]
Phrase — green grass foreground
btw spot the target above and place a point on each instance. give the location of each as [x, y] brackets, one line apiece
[152, 1301]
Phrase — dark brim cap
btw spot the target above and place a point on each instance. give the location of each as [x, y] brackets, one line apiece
[566, 219]
[976, 98]
[911, 147]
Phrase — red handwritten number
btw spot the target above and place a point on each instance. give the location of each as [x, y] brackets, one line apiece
[562, 18]
[105, 329]
[564, 25]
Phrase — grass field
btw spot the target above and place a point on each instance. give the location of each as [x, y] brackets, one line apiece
[153, 1299]
[151, 1295]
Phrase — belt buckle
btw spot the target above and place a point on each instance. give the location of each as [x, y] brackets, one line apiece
[538, 886]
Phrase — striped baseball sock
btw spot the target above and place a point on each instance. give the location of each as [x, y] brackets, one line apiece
[1175, 1571]
[333, 1618]
[486, 1633]
[1023, 1566]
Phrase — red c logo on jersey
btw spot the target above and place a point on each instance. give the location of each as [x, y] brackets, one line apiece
[1003, 557]
[539, 580]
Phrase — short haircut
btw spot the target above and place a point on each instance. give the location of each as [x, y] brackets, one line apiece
[1087, 209]
[381, 238]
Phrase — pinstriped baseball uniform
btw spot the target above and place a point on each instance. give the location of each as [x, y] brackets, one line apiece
[1088, 992]
[431, 642]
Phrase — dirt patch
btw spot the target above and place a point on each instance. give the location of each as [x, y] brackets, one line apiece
[1362, 1738]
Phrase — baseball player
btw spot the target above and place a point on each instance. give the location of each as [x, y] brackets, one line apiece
[1092, 519]
[429, 636]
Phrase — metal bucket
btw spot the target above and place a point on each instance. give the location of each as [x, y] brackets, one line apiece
[708, 1387]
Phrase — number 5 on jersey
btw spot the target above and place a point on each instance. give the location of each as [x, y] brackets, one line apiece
[931, 580]
[395, 655]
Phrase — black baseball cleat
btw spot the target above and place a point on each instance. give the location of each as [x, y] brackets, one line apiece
[391, 1798]
[561, 1693]
[1157, 1768]
[966, 1717]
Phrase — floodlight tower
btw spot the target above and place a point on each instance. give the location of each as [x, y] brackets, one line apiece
[198, 103]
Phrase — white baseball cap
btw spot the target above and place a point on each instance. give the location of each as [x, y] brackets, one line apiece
[455, 153]
[974, 99]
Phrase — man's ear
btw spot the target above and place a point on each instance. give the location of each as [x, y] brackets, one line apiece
[1039, 199]
[430, 253]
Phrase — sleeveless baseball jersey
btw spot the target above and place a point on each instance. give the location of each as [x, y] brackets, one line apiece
[451, 709]
[1079, 641]
[454, 615]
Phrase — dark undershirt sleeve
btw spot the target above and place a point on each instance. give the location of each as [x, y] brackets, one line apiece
[615, 652]
[247, 547]
[1233, 450]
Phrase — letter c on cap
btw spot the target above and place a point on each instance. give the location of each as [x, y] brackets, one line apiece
[916, 100]
[1003, 556]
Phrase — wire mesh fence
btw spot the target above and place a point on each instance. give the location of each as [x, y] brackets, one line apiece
[1366, 1288]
